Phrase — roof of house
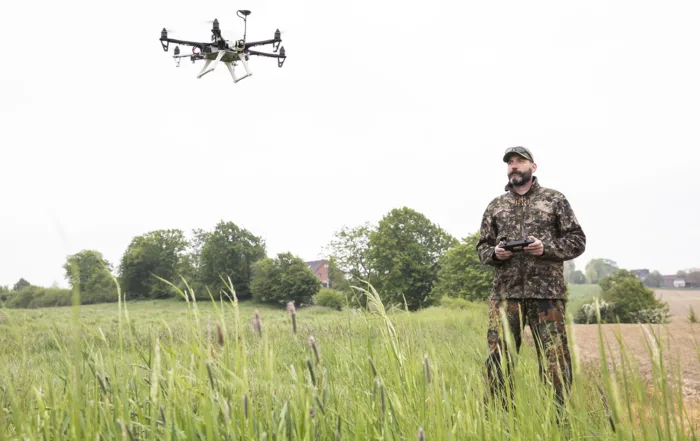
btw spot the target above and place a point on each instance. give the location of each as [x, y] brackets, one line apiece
[314, 265]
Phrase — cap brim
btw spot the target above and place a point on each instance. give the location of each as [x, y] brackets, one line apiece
[522, 155]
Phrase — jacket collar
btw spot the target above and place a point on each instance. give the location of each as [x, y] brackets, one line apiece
[533, 188]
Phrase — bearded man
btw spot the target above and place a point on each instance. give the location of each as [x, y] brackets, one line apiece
[529, 285]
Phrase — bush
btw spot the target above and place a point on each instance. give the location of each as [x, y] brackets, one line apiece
[38, 297]
[283, 279]
[330, 298]
[587, 313]
[625, 299]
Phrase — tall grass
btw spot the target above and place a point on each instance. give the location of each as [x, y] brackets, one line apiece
[352, 375]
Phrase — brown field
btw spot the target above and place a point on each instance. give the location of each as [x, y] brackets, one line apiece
[679, 339]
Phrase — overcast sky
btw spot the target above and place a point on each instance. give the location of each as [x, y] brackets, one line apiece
[379, 105]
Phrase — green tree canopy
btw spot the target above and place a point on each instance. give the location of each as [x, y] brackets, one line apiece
[596, 269]
[283, 279]
[654, 280]
[349, 250]
[461, 273]
[21, 284]
[405, 251]
[91, 273]
[230, 251]
[157, 253]
[578, 278]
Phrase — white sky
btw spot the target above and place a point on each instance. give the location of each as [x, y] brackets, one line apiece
[379, 105]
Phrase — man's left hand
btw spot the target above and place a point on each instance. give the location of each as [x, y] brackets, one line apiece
[536, 248]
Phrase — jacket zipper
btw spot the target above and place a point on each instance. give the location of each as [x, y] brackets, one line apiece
[522, 257]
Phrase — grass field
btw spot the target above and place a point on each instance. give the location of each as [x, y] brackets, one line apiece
[175, 370]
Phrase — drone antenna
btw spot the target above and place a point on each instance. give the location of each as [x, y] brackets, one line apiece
[243, 13]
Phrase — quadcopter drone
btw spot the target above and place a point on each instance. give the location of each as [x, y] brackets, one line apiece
[225, 51]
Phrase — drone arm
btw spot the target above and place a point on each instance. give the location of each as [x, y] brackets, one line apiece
[264, 54]
[280, 57]
[187, 43]
[261, 43]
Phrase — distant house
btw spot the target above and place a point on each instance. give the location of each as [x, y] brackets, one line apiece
[671, 281]
[320, 268]
[641, 274]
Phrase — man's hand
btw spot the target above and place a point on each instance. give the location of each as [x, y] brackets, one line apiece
[502, 254]
[536, 248]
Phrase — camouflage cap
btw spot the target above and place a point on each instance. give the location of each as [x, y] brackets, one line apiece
[522, 151]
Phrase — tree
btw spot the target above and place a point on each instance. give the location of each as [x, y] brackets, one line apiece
[596, 269]
[693, 278]
[349, 249]
[405, 251]
[230, 251]
[157, 253]
[633, 301]
[283, 279]
[461, 273]
[578, 278]
[569, 269]
[91, 273]
[21, 284]
[654, 280]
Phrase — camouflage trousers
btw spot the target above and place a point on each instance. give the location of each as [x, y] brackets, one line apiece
[546, 319]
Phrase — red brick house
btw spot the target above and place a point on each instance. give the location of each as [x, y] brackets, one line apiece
[320, 268]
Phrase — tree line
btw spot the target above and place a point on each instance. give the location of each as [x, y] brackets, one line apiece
[411, 261]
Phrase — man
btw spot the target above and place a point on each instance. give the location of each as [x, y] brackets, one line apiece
[529, 285]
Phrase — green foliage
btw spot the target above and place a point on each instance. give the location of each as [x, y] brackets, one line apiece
[596, 269]
[634, 303]
[283, 279]
[569, 268]
[337, 278]
[330, 298]
[691, 316]
[230, 252]
[37, 297]
[157, 253]
[461, 274]
[20, 285]
[457, 303]
[405, 251]
[350, 250]
[587, 312]
[166, 371]
[654, 280]
[91, 273]
[578, 278]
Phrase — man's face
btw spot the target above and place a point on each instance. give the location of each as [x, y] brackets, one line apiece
[520, 170]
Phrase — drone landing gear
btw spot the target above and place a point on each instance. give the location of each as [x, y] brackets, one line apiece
[231, 67]
[205, 71]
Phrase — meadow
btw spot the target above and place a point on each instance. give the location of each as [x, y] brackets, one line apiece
[176, 370]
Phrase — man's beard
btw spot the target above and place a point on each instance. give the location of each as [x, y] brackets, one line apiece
[518, 180]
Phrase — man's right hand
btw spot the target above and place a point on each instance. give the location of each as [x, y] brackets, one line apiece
[502, 254]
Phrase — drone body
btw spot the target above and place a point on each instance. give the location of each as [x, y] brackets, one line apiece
[224, 51]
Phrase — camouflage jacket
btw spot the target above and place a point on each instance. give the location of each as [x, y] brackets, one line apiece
[545, 214]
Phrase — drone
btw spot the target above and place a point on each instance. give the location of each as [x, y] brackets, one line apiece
[225, 51]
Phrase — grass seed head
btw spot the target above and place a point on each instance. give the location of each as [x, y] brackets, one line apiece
[257, 323]
[219, 335]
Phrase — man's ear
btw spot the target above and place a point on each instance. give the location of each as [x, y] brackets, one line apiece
[534, 167]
